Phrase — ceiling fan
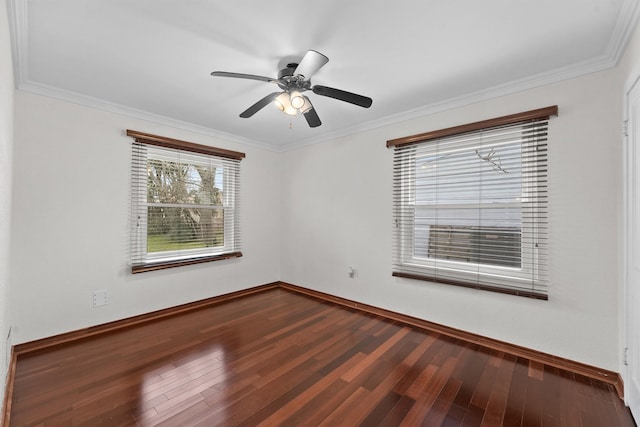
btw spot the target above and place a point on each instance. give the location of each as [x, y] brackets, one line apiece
[294, 80]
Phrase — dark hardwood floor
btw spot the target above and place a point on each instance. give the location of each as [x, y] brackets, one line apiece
[281, 358]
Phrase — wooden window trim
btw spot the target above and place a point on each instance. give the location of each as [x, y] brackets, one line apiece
[464, 284]
[162, 141]
[538, 114]
[171, 264]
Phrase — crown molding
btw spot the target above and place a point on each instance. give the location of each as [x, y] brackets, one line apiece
[625, 25]
[539, 80]
[103, 105]
[627, 19]
[18, 23]
[17, 15]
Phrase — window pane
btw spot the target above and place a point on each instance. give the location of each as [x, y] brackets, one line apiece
[182, 183]
[493, 174]
[478, 245]
[468, 205]
[170, 229]
[495, 215]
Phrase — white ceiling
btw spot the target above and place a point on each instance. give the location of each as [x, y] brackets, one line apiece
[152, 58]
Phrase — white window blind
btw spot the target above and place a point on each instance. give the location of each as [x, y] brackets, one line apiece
[185, 204]
[470, 205]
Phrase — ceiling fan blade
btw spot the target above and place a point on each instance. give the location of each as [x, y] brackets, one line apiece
[312, 118]
[259, 105]
[310, 63]
[353, 98]
[243, 76]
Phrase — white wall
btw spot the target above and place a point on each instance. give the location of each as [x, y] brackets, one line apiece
[70, 222]
[6, 146]
[337, 213]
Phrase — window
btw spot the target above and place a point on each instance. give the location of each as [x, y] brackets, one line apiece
[184, 203]
[470, 205]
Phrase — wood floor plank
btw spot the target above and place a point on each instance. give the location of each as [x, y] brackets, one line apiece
[429, 392]
[469, 370]
[485, 383]
[455, 416]
[300, 401]
[395, 416]
[533, 403]
[380, 411]
[551, 410]
[517, 394]
[439, 412]
[347, 412]
[281, 358]
[420, 359]
[382, 348]
[322, 405]
[499, 394]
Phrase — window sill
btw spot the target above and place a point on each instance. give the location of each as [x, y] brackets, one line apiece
[143, 268]
[508, 291]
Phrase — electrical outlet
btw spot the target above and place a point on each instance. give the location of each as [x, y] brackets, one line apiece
[352, 272]
[100, 298]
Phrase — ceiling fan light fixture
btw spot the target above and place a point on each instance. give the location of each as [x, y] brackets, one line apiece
[297, 100]
[280, 101]
[290, 111]
[306, 106]
[283, 102]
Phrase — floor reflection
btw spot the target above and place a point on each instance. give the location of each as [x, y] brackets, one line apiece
[187, 384]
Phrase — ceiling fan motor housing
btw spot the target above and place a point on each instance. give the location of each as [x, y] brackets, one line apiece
[288, 81]
[287, 72]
